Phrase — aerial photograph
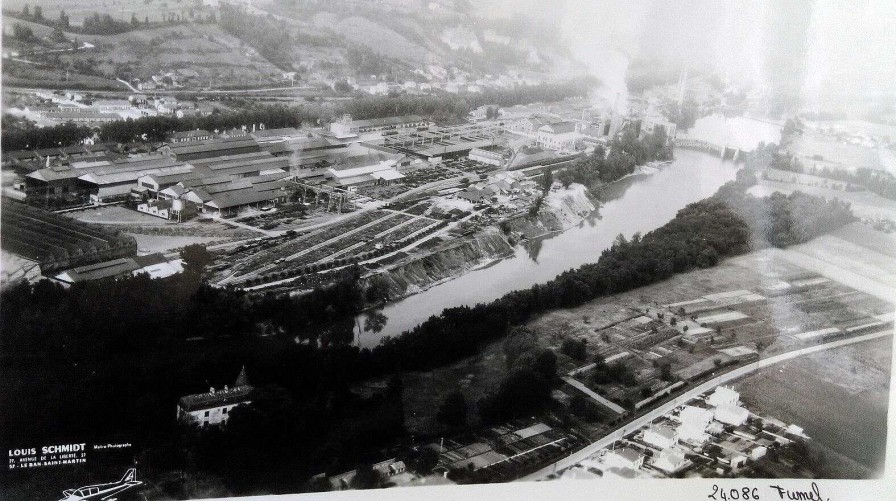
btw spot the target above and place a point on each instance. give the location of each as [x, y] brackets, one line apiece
[287, 247]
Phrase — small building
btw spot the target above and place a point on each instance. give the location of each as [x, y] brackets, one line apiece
[670, 460]
[159, 208]
[116, 268]
[487, 157]
[213, 408]
[660, 436]
[387, 468]
[694, 422]
[723, 396]
[623, 458]
[731, 414]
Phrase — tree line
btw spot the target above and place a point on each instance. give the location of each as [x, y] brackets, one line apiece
[625, 153]
[157, 128]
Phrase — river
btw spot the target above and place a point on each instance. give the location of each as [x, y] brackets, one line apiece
[634, 204]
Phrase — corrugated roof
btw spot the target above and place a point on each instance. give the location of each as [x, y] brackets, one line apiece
[380, 122]
[235, 395]
[98, 271]
[213, 145]
[241, 197]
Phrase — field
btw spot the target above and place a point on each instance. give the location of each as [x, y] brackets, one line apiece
[839, 397]
[208, 55]
[754, 305]
[864, 203]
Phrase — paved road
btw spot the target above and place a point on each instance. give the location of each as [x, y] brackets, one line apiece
[620, 432]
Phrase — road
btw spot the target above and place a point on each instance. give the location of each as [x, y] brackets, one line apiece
[641, 421]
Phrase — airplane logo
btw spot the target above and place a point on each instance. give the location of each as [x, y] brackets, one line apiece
[103, 492]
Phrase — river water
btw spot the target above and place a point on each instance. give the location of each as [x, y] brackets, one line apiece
[634, 204]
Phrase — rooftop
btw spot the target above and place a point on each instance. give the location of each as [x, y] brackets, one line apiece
[235, 395]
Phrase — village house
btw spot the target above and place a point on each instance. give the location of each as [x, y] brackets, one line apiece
[660, 436]
[213, 408]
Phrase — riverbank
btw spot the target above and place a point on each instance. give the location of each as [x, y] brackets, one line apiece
[451, 257]
[636, 204]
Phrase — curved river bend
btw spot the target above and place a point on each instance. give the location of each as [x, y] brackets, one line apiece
[634, 204]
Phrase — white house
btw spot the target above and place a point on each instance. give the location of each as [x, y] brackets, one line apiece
[623, 458]
[213, 408]
[660, 436]
[670, 460]
[723, 396]
[694, 421]
[731, 414]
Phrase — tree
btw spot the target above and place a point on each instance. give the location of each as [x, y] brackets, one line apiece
[63, 19]
[453, 411]
[575, 348]
[38, 13]
[26, 11]
[547, 180]
[366, 478]
[520, 340]
[196, 257]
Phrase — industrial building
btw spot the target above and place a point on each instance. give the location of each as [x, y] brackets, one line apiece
[196, 150]
[365, 170]
[346, 127]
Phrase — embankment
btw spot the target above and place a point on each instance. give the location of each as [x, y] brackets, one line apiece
[446, 261]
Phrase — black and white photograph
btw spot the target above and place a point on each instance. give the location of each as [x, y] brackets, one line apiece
[455, 249]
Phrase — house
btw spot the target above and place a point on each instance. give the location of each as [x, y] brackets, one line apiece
[560, 136]
[660, 436]
[731, 414]
[387, 468]
[623, 458]
[213, 408]
[670, 460]
[694, 422]
[723, 396]
[158, 208]
[484, 112]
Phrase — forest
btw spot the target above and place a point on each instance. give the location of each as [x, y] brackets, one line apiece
[108, 360]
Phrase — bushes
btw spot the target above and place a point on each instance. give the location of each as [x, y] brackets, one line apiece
[575, 348]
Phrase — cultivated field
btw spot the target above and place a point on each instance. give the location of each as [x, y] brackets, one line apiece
[839, 397]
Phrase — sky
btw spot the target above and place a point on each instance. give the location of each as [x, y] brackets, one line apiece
[824, 52]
